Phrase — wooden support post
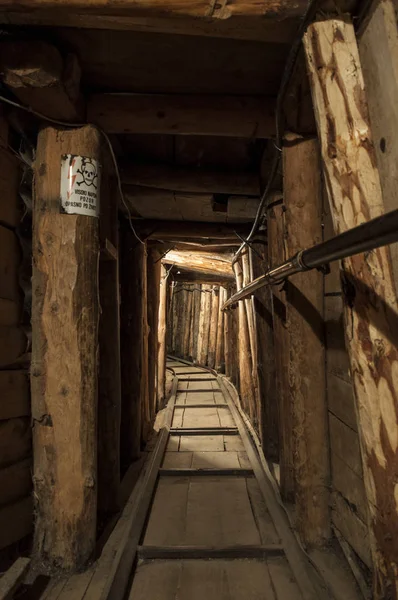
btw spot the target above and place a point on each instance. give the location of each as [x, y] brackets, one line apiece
[219, 359]
[307, 378]
[162, 329]
[277, 254]
[153, 282]
[262, 305]
[378, 49]
[64, 359]
[195, 323]
[146, 413]
[215, 303]
[247, 278]
[109, 382]
[370, 302]
[231, 342]
[187, 320]
[204, 324]
[132, 274]
[244, 356]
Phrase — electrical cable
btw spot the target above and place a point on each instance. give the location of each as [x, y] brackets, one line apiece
[38, 114]
[290, 63]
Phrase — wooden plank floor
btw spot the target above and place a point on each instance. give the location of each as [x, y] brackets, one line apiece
[210, 511]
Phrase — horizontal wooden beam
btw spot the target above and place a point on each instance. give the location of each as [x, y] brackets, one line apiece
[185, 276]
[238, 27]
[227, 472]
[201, 261]
[231, 116]
[280, 9]
[190, 230]
[42, 79]
[207, 553]
[185, 179]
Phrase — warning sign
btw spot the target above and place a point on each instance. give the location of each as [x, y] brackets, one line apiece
[80, 185]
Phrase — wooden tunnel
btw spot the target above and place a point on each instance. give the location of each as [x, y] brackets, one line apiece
[137, 140]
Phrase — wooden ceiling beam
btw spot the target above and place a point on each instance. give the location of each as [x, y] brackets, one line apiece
[224, 9]
[187, 276]
[239, 28]
[185, 179]
[42, 79]
[206, 262]
[190, 230]
[232, 116]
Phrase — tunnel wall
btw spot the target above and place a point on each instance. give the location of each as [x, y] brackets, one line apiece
[16, 515]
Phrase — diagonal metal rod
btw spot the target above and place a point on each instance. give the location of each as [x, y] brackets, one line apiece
[370, 235]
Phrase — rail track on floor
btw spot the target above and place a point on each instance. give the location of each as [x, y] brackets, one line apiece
[203, 521]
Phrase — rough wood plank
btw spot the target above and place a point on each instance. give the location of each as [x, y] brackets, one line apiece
[185, 179]
[349, 484]
[183, 115]
[12, 578]
[240, 28]
[113, 568]
[306, 362]
[282, 8]
[64, 358]
[277, 254]
[162, 332]
[214, 315]
[341, 401]
[378, 50]
[153, 277]
[351, 527]
[40, 78]
[210, 511]
[207, 553]
[109, 380]
[14, 394]
[15, 440]
[15, 481]
[16, 521]
[10, 203]
[370, 300]
[345, 443]
[9, 262]
[132, 257]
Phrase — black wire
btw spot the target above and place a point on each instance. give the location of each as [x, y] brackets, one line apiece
[287, 72]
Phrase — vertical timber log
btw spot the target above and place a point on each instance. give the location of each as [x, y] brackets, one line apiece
[187, 320]
[197, 297]
[109, 382]
[162, 352]
[262, 303]
[215, 304]
[146, 413]
[370, 303]
[64, 359]
[231, 342]
[219, 359]
[307, 378]
[247, 278]
[244, 357]
[277, 254]
[174, 315]
[204, 329]
[132, 275]
[153, 285]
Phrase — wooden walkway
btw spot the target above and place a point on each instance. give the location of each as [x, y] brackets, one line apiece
[203, 521]
[214, 529]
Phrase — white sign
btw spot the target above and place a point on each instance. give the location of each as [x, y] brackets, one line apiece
[80, 185]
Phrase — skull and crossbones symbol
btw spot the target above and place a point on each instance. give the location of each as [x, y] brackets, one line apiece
[88, 173]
